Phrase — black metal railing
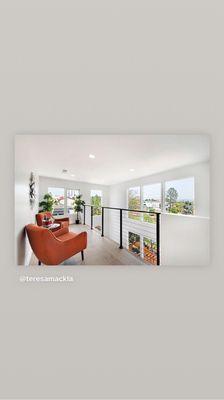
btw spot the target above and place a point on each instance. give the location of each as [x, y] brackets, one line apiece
[155, 213]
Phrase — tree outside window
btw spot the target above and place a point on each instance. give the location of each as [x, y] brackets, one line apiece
[179, 196]
[96, 201]
[134, 203]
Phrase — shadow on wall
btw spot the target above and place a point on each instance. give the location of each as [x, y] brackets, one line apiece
[25, 210]
[24, 250]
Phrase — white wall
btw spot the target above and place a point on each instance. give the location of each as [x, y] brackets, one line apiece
[24, 214]
[174, 250]
[84, 187]
[184, 239]
[128, 225]
[112, 67]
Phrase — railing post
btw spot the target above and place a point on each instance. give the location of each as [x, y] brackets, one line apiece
[121, 244]
[91, 217]
[84, 214]
[158, 237]
[102, 227]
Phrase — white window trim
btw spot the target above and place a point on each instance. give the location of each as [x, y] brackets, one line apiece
[66, 201]
[163, 196]
[65, 212]
[141, 243]
[98, 190]
[142, 201]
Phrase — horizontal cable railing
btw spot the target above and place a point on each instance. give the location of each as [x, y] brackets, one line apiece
[123, 225]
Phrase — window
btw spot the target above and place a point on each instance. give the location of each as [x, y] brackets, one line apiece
[150, 251]
[179, 196]
[134, 202]
[59, 196]
[134, 245]
[71, 193]
[96, 201]
[151, 201]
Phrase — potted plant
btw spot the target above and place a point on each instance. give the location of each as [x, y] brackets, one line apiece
[48, 202]
[78, 204]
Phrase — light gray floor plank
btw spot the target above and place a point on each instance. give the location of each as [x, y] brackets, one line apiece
[100, 251]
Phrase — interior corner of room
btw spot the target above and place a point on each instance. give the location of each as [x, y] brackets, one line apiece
[145, 204]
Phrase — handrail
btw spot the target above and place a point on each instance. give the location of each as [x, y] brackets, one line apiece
[157, 213]
[124, 209]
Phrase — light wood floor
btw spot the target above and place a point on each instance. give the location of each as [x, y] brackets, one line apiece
[100, 251]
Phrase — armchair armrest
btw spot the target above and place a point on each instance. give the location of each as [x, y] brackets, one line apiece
[78, 242]
[65, 219]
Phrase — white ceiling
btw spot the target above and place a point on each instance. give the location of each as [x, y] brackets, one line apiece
[115, 155]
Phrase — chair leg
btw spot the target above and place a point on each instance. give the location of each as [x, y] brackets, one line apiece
[39, 262]
[82, 253]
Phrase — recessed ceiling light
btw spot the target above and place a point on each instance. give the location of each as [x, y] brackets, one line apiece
[72, 175]
[131, 169]
[91, 156]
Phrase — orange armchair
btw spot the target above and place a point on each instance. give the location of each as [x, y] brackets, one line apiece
[54, 248]
[62, 221]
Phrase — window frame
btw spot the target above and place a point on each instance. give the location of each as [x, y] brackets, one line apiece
[65, 210]
[140, 241]
[141, 219]
[177, 180]
[101, 203]
[57, 187]
[78, 190]
[163, 198]
[142, 199]
[141, 254]
[127, 199]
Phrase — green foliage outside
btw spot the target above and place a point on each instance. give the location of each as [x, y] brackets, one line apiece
[134, 243]
[133, 238]
[48, 203]
[96, 202]
[178, 207]
[150, 245]
[171, 198]
[182, 207]
[172, 206]
[134, 203]
[149, 218]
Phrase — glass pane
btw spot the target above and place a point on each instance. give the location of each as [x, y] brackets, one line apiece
[134, 203]
[96, 201]
[71, 193]
[150, 251]
[59, 196]
[134, 243]
[179, 196]
[151, 201]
